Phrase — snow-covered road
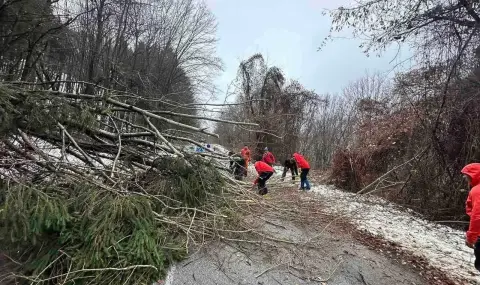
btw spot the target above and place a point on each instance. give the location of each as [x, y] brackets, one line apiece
[443, 247]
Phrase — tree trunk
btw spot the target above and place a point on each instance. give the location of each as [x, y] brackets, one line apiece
[91, 71]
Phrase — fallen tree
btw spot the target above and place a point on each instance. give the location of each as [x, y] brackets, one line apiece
[92, 192]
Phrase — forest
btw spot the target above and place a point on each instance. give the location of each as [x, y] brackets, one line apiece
[404, 137]
[98, 99]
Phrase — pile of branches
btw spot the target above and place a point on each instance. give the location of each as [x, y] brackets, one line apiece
[94, 192]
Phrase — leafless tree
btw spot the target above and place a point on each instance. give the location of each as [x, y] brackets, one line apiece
[334, 123]
[280, 108]
[434, 104]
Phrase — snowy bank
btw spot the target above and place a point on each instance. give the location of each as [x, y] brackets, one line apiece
[443, 247]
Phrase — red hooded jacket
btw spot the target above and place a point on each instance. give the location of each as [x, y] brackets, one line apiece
[268, 158]
[246, 153]
[262, 167]
[301, 161]
[473, 201]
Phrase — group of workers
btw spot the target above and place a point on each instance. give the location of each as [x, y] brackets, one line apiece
[265, 168]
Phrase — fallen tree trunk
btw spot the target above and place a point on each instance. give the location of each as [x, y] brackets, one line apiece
[87, 197]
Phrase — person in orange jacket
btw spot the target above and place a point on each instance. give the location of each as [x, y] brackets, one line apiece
[264, 171]
[472, 173]
[246, 155]
[305, 168]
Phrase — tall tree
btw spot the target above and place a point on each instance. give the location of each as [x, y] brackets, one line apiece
[25, 29]
[280, 108]
[162, 51]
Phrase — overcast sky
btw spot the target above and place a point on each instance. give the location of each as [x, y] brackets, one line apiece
[288, 34]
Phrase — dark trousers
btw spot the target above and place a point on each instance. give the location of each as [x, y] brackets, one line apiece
[285, 170]
[262, 180]
[304, 183]
[477, 254]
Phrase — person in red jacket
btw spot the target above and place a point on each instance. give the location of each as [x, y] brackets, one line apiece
[246, 155]
[268, 157]
[472, 206]
[264, 171]
[305, 167]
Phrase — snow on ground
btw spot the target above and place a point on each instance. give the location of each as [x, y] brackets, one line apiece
[443, 247]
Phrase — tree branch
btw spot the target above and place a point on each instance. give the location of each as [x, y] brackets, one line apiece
[162, 138]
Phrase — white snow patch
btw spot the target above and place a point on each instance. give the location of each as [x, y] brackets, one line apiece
[169, 278]
[443, 247]
[170, 274]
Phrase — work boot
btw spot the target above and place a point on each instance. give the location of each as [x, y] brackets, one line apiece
[263, 191]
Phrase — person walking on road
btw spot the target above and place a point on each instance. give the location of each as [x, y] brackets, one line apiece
[472, 173]
[305, 168]
[264, 171]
